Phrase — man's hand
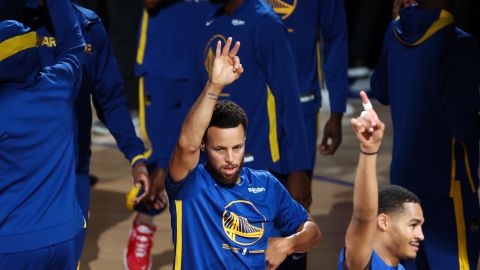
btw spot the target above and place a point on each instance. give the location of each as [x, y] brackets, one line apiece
[332, 131]
[368, 128]
[226, 66]
[278, 249]
[158, 196]
[299, 185]
[141, 179]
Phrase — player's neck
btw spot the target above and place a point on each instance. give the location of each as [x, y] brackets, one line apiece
[384, 252]
[232, 6]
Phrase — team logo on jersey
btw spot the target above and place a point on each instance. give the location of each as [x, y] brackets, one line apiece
[284, 8]
[243, 223]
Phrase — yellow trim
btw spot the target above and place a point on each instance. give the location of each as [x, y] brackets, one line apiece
[461, 231]
[445, 19]
[467, 168]
[272, 119]
[78, 265]
[143, 38]
[141, 115]
[178, 242]
[131, 195]
[136, 158]
[17, 44]
[84, 223]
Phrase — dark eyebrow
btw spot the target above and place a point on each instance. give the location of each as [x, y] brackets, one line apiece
[415, 220]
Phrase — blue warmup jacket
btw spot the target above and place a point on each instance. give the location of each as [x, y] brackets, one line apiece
[101, 81]
[268, 90]
[37, 144]
[165, 66]
[306, 20]
[428, 74]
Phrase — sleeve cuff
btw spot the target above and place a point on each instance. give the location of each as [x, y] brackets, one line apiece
[136, 159]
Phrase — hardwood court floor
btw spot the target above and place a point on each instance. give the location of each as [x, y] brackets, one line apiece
[110, 221]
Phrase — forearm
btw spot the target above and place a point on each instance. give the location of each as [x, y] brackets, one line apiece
[198, 119]
[305, 238]
[365, 204]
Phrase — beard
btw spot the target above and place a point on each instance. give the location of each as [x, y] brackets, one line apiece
[228, 181]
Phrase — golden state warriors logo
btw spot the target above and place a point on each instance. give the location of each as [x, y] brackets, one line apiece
[243, 223]
[284, 8]
[209, 52]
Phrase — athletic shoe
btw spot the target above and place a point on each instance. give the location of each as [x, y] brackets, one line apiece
[137, 255]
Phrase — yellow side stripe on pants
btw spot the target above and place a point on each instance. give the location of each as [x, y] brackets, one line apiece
[178, 242]
[141, 115]
[456, 194]
[272, 117]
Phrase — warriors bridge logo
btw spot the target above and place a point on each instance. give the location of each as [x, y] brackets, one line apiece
[284, 8]
[209, 52]
[243, 223]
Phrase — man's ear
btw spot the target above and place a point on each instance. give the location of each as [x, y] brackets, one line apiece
[383, 222]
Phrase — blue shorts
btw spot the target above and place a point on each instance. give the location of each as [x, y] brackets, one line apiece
[60, 256]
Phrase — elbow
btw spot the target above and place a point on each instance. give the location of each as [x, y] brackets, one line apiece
[364, 214]
[317, 237]
[185, 145]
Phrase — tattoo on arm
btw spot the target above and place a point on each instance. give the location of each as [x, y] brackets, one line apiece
[212, 96]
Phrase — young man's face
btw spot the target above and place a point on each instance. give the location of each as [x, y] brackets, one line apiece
[406, 231]
[225, 148]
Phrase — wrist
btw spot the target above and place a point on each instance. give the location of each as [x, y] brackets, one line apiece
[337, 116]
[214, 88]
[369, 151]
[290, 243]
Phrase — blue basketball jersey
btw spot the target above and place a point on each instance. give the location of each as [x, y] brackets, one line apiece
[376, 263]
[219, 227]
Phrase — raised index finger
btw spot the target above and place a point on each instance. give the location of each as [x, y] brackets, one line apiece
[226, 48]
[367, 105]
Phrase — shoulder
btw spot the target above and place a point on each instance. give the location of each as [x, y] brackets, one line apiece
[261, 177]
[85, 16]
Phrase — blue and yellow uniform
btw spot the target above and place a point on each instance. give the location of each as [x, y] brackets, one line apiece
[376, 263]
[101, 83]
[305, 20]
[428, 74]
[165, 69]
[217, 227]
[268, 90]
[40, 214]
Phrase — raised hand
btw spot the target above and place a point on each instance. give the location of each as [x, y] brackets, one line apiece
[226, 66]
[368, 128]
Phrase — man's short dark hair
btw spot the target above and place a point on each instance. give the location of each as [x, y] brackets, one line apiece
[228, 114]
[391, 199]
